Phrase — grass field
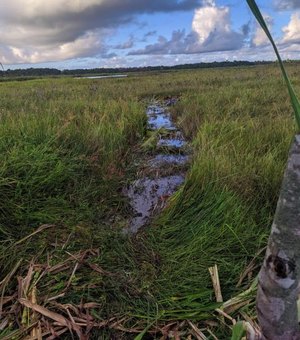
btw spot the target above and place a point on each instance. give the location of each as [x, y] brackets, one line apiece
[68, 148]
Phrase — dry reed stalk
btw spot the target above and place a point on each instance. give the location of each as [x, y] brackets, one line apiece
[197, 332]
[216, 282]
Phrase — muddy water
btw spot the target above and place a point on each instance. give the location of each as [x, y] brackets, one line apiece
[148, 195]
[163, 160]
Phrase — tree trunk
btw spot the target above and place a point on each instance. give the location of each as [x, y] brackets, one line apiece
[279, 276]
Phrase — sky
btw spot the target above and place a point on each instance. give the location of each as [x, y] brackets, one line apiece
[68, 34]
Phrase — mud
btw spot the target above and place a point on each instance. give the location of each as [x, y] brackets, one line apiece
[148, 195]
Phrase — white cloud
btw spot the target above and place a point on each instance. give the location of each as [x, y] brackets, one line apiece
[284, 5]
[260, 38]
[291, 32]
[212, 25]
[211, 20]
[211, 31]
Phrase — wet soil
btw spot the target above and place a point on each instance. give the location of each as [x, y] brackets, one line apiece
[160, 174]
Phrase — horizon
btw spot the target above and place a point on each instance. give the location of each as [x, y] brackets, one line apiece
[183, 66]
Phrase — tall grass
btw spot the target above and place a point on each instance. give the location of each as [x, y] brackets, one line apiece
[62, 151]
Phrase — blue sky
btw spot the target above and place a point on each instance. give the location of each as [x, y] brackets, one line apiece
[121, 33]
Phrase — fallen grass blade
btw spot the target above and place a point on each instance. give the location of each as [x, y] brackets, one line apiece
[251, 267]
[40, 229]
[61, 320]
[212, 334]
[198, 334]
[295, 102]
[5, 281]
[26, 282]
[241, 299]
[61, 332]
[3, 324]
[227, 316]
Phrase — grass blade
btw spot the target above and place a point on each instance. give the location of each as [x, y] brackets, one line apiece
[295, 102]
[141, 335]
[238, 331]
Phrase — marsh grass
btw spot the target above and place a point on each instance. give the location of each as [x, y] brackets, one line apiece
[69, 146]
[61, 152]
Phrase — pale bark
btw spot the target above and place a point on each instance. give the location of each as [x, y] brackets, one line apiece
[278, 285]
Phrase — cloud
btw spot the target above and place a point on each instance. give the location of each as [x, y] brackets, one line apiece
[126, 45]
[246, 28]
[291, 32]
[213, 26]
[35, 30]
[286, 5]
[148, 35]
[176, 45]
[87, 44]
[211, 31]
[260, 38]
[109, 55]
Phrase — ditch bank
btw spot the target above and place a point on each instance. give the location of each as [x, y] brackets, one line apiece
[161, 169]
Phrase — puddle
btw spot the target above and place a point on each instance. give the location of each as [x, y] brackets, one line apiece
[163, 160]
[148, 195]
[162, 121]
[159, 118]
[171, 143]
[155, 110]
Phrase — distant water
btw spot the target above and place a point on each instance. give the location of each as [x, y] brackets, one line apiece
[100, 77]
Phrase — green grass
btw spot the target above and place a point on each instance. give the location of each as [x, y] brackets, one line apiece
[62, 151]
[68, 147]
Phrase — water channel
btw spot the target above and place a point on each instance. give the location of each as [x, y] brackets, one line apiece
[167, 165]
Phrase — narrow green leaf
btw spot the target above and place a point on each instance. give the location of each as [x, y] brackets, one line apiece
[238, 331]
[141, 335]
[294, 100]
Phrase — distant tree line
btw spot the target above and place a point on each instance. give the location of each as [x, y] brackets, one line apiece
[38, 72]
